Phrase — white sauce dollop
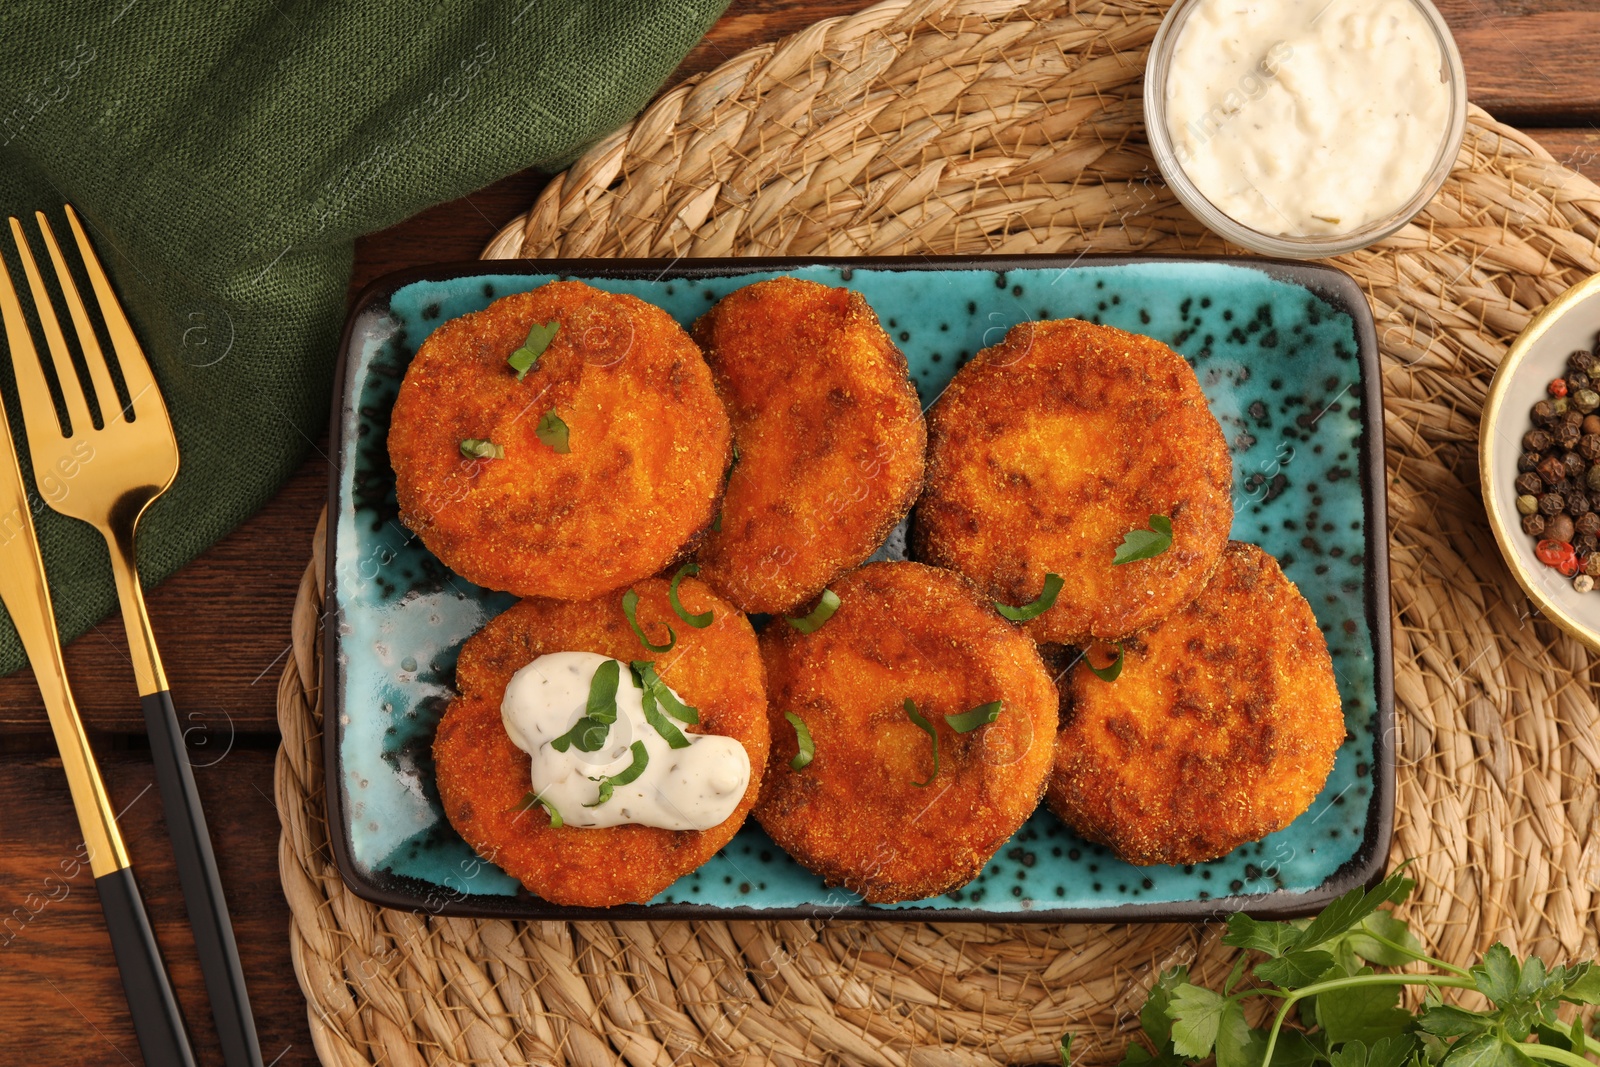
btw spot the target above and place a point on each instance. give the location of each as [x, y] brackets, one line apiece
[693, 788]
[1307, 117]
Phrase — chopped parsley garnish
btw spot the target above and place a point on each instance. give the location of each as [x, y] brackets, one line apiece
[802, 736]
[473, 448]
[646, 678]
[602, 702]
[819, 614]
[553, 432]
[630, 608]
[641, 760]
[589, 732]
[1046, 601]
[526, 358]
[927, 727]
[968, 721]
[700, 621]
[1145, 544]
[534, 800]
[660, 723]
[1111, 671]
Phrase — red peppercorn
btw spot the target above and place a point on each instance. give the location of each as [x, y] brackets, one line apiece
[1558, 387]
[1558, 554]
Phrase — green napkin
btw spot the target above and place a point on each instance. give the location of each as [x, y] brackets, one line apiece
[226, 156]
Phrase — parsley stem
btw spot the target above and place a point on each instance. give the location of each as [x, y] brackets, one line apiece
[1436, 981]
[1553, 1054]
[1460, 972]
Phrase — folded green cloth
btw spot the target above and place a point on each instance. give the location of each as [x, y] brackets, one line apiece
[225, 157]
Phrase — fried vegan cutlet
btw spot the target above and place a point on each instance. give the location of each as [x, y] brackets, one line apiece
[1050, 447]
[484, 777]
[858, 814]
[829, 433]
[647, 443]
[1221, 728]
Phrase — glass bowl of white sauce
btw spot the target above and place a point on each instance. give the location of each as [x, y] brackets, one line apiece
[1305, 128]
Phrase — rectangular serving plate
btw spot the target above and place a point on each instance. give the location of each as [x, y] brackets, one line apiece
[1287, 356]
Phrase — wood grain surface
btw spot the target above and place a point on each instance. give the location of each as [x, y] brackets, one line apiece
[55, 955]
[224, 621]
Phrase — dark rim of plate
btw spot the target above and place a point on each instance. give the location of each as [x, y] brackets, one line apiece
[1365, 868]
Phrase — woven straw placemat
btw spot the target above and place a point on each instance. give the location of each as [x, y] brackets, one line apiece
[1008, 126]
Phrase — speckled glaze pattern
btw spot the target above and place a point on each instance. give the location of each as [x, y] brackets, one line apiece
[1279, 365]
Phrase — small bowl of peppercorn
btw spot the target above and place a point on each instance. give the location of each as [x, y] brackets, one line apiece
[1539, 460]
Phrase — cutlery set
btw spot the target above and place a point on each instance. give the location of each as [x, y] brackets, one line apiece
[122, 453]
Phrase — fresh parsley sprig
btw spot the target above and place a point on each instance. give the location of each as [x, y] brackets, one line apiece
[700, 621]
[553, 432]
[526, 357]
[968, 721]
[1335, 1009]
[1046, 600]
[646, 678]
[630, 611]
[805, 748]
[1111, 671]
[1145, 544]
[531, 800]
[608, 783]
[922, 723]
[656, 697]
[589, 732]
[474, 448]
[827, 604]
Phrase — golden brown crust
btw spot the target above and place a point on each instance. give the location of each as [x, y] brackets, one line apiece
[853, 815]
[483, 777]
[649, 444]
[830, 437]
[1221, 729]
[1051, 446]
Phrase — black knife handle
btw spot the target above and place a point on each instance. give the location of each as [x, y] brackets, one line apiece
[157, 1020]
[202, 887]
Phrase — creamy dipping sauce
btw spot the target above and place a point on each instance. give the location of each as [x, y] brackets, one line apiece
[1307, 117]
[691, 788]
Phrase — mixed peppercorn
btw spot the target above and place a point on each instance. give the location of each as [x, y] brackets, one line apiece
[1558, 476]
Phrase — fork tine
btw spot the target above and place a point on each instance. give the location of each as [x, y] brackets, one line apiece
[32, 389]
[66, 373]
[99, 374]
[142, 392]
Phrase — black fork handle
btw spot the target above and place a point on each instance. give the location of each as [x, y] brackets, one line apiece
[202, 887]
[157, 1019]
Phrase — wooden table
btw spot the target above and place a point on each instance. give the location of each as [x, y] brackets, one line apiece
[225, 621]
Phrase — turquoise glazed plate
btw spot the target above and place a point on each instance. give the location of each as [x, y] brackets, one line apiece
[1288, 359]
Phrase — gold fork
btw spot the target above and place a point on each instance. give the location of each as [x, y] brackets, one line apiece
[116, 471]
[25, 591]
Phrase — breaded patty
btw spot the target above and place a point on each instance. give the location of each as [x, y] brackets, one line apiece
[1047, 449]
[830, 437]
[1221, 729]
[484, 777]
[855, 814]
[648, 444]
